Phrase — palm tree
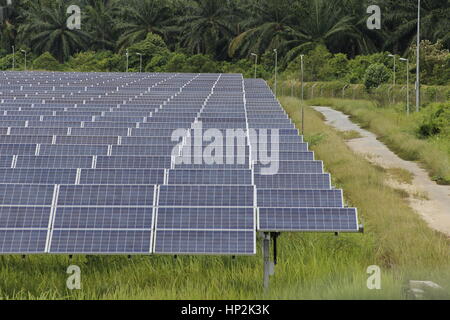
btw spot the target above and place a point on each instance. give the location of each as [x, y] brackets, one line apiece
[206, 27]
[100, 17]
[8, 22]
[296, 27]
[401, 20]
[45, 29]
[267, 27]
[141, 17]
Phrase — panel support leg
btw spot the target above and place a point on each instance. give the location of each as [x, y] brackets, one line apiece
[266, 257]
[275, 236]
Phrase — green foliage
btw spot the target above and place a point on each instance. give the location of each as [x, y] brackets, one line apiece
[104, 61]
[152, 46]
[436, 120]
[177, 63]
[332, 35]
[435, 62]
[375, 75]
[46, 62]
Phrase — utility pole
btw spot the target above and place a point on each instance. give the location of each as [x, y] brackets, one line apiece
[25, 59]
[407, 84]
[256, 61]
[140, 61]
[127, 59]
[276, 70]
[418, 60]
[303, 97]
[393, 87]
[14, 57]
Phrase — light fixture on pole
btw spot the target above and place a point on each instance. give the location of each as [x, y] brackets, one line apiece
[407, 83]
[418, 59]
[25, 59]
[256, 61]
[140, 61]
[276, 71]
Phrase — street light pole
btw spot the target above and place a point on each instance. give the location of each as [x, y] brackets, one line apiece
[301, 63]
[407, 84]
[25, 59]
[14, 57]
[140, 61]
[276, 70]
[303, 97]
[393, 87]
[127, 59]
[256, 61]
[418, 59]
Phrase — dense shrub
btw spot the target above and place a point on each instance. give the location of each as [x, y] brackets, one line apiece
[375, 75]
[436, 120]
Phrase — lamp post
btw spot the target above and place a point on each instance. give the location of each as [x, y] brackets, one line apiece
[418, 59]
[140, 61]
[301, 68]
[276, 70]
[25, 59]
[407, 83]
[393, 87]
[393, 56]
[256, 61]
[303, 108]
[127, 59]
[14, 57]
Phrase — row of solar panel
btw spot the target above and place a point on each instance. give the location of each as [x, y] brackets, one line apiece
[169, 196]
[286, 135]
[168, 238]
[157, 176]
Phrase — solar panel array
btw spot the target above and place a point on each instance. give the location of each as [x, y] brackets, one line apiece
[95, 163]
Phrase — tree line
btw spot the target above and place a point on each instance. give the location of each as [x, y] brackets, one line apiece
[224, 30]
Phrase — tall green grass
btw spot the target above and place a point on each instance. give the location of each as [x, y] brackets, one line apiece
[399, 133]
[310, 266]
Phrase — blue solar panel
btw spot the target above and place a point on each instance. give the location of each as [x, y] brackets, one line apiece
[115, 162]
[293, 167]
[17, 149]
[142, 150]
[206, 196]
[293, 181]
[308, 219]
[26, 195]
[5, 161]
[288, 198]
[19, 217]
[215, 177]
[82, 171]
[73, 149]
[22, 241]
[103, 218]
[122, 176]
[206, 218]
[105, 195]
[101, 241]
[56, 162]
[205, 242]
[38, 176]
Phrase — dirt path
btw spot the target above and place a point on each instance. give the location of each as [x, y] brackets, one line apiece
[430, 200]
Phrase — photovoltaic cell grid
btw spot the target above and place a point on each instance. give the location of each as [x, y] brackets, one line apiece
[89, 164]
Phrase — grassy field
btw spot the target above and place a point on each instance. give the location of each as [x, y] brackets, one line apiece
[399, 133]
[311, 266]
